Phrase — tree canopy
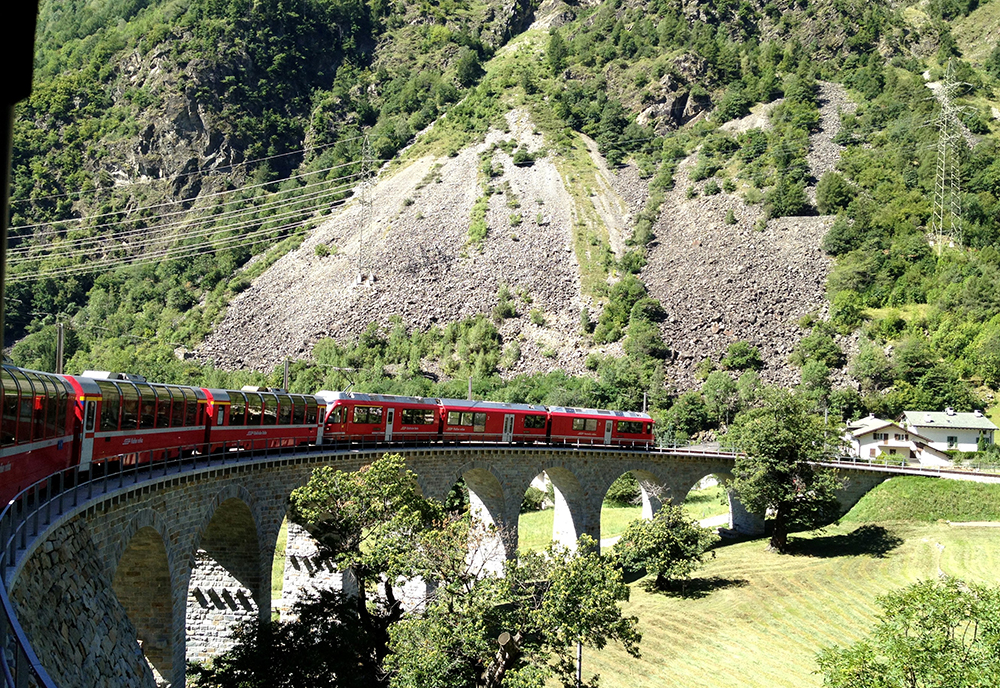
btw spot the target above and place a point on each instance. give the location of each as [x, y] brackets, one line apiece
[670, 546]
[777, 440]
[933, 634]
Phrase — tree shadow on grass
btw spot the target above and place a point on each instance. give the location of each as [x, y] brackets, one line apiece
[695, 588]
[874, 541]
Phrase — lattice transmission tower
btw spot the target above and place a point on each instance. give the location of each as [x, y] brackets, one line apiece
[365, 199]
[946, 225]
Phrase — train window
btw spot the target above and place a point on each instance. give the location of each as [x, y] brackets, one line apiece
[368, 414]
[162, 407]
[26, 406]
[534, 422]
[418, 416]
[110, 405]
[585, 424]
[633, 427]
[312, 411]
[147, 407]
[337, 415]
[270, 410]
[39, 404]
[237, 409]
[8, 430]
[299, 416]
[63, 408]
[192, 409]
[89, 417]
[284, 409]
[130, 406]
[255, 408]
[479, 422]
[51, 407]
[176, 407]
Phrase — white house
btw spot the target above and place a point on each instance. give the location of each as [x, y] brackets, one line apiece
[880, 440]
[951, 430]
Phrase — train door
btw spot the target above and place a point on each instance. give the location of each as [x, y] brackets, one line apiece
[607, 432]
[390, 414]
[89, 422]
[508, 427]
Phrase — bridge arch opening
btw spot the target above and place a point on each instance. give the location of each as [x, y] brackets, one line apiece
[489, 544]
[551, 510]
[709, 501]
[142, 585]
[226, 584]
[634, 494]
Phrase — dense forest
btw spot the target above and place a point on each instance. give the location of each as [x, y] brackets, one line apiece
[173, 150]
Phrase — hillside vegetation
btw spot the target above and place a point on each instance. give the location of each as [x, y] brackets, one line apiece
[175, 151]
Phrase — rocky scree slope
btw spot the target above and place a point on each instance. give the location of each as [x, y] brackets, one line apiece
[717, 282]
[720, 283]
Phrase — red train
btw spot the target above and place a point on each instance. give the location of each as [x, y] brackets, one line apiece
[50, 422]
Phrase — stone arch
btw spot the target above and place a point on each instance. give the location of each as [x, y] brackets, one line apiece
[653, 491]
[684, 488]
[489, 508]
[568, 518]
[227, 583]
[143, 581]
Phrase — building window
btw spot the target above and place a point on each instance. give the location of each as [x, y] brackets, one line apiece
[902, 437]
[952, 442]
[880, 436]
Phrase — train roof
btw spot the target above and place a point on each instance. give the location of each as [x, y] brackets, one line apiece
[329, 396]
[480, 404]
[600, 412]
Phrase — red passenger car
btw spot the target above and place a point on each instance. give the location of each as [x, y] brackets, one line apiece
[262, 417]
[596, 426]
[37, 429]
[490, 421]
[125, 415]
[352, 416]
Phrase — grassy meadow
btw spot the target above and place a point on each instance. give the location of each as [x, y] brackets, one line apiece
[755, 618]
[534, 530]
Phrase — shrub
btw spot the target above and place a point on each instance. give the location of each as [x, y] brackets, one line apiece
[624, 491]
[742, 355]
[533, 500]
[322, 250]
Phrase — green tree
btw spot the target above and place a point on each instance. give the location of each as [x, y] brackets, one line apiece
[833, 193]
[721, 396]
[742, 355]
[932, 634]
[556, 52]
[669, 546]
[366, 522]
[773, 475]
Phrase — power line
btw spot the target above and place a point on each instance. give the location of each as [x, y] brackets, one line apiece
[167, 204]
[210, 224]
[204, 170]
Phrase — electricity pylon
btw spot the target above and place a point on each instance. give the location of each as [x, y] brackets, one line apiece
[367, 173]
[946, 225]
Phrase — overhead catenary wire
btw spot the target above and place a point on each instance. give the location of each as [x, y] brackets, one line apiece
[210, 222]
[206, 170]
[167, 204]
[168, 254]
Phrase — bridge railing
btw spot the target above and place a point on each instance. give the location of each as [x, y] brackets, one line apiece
[40, 505]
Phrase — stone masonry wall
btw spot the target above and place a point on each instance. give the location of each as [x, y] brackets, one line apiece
[75, 623]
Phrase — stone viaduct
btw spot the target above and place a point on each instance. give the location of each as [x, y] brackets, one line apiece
[126, 586]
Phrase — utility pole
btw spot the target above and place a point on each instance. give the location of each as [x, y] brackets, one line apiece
[60, 343]
[367, 171]
[286, 376]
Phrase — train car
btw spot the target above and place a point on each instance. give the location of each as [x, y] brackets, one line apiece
[491, 421]
[124, 415]
[353, 416]
[598, 426]
[37, 429]
[262, 417]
